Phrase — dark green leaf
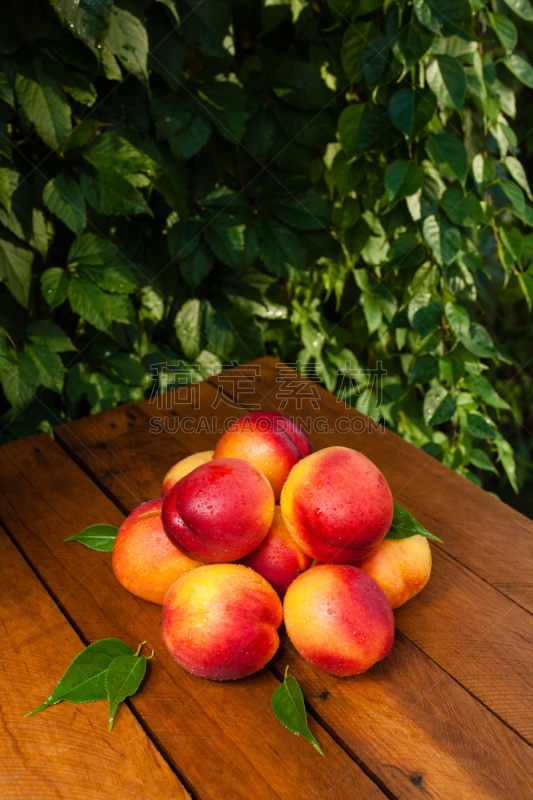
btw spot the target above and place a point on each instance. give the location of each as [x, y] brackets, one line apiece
[478, 341]
[108, 192]
[225, 237]
[297, 83]
[521, 8]
[439, 406]
[505, 30]
[443, 239]
[127, 38]
[91, 249]
[15, 268]
[84, 680]
[507, 460]
[404, 525]
[409, 40]
[446, 17]
[448, 153]
[349, 124]
[44, 102]
[520, 68]
[480, 427]
[88, 21]
[411, 111]
[517, 171]
[123, 678]
[115, 277]
[289, 709]
[97, 537]
[353, 45]
[188, 325]
[90, 302]
[46, 333]
[49, 366]
[447, 81]
[481, 387]
[376, 61]
[402, 179]
[376, 133]
[481, 460]
[457, 318]
[462, 209]
[63, 197]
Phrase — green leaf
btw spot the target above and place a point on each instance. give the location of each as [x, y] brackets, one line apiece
[462, 209]
[97, 537]
[404, 525]
[6, 92]
[91, 249]
[504, 29]
[15, 269]
[49, 366]
[225, 101]
[520, 68]
[406, 252]
[289, 709]
[353, 44]
[376, 60]
[297, 83]
[226, 238]
[517, 171]
[108, 192]
[446, 17]
[448, 154]
[349, 123]
[63, 197]
[307, 211]
[84, 680]
[507, 460]
[443, 239]
[480, 427]
[439, 406]
[457, 318]
[484, 172]
[411, 111]
[376, 133]
[123, 678]
[478, 341]
[521, 8]
[402, 179]
[409, 40]
[188, 325]
[128, 40]
[88, 21]
[447, 81]
[481, 387]
[481, 460]
[114, 276]
[5, 189]
[526, 284]
[44, 102]
[46, 333]
[89, 302]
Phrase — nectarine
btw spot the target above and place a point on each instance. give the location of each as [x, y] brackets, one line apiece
[401, 567]
[336, 505]
[144, 560]
[338, 619]
[278, 558]
[220, 511]
[222, 623]
[183, 467]
[270, 440]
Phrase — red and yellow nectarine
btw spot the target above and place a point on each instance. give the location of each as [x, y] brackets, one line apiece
[222, 623]
[401, 567]
[183, 467]
[338, 619]
[144, 560]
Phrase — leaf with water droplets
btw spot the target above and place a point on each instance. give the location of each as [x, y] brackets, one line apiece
[404, 525]
[289, 709]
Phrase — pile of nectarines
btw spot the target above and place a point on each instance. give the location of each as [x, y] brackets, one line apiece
[221, 557]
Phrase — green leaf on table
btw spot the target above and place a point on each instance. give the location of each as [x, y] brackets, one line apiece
[289, 709]
[84, 680]
[404, 525]
[127, 39]
[64, 198]
[520, 68]
[97, 537]
[522, 8]
[123, 678]
[15, 268]
[402, 179]
[44, 102]
[443, 239]
[504, 29]
[446, 79]
[448, 154]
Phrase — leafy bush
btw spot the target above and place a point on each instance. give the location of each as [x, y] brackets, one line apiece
[336, 183]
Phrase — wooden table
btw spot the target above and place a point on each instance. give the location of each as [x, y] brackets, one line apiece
[448, 714]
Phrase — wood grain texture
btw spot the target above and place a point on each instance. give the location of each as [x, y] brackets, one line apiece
[457, 511]
[435, 730]
[222, 736]
[65, 751]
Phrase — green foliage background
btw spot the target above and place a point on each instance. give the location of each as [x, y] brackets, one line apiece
[202, 181]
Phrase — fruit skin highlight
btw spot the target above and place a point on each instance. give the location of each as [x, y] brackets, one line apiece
[144, 560]
[221, 622]
[278, 558]
[270, 440]
[220, 511]
[337, 505]
[338, 619]
[183, 467]
[400, 567]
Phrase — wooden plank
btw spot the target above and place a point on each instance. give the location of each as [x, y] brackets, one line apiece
[487, 536]
[442, 748]
[466, 626]
[65, 751]
[222, 736]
